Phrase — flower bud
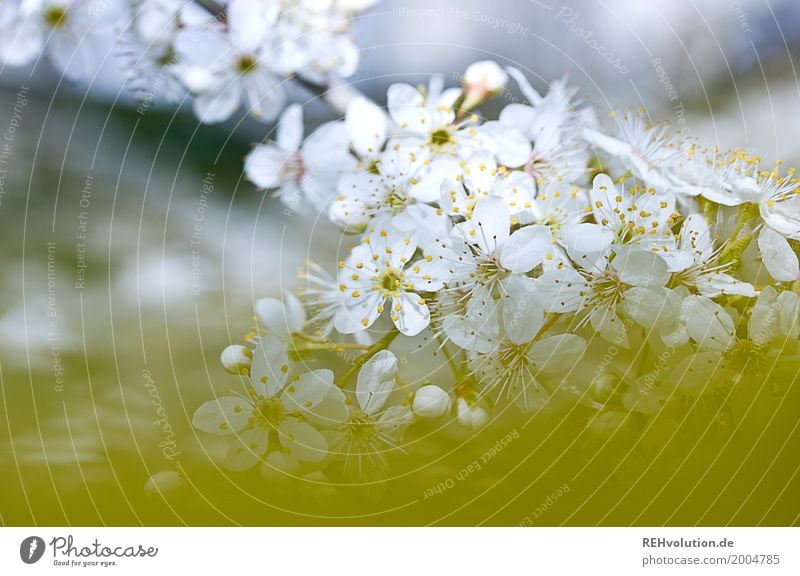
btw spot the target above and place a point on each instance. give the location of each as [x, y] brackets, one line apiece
[471, 413]
[431, 402]
[482, 80]
[236, 359]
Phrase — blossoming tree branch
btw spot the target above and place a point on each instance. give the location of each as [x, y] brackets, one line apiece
[546, 256]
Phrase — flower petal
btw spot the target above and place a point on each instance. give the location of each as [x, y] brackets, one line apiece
[708, 323]
[269, 367]
[778, 257]
[247, 449]
[557, 353]
[281, 318]
[410, 313]
[303, 440]
[526, 248]
[639, 267]
[376, 380]
[367, 125]
[605, 321]
[523, 314]
[651, 306]
[561, 290]
[579, 239]
[290, 128]
[264, 164]
[218, 106]
[307, 390]
[223, 415]
[489, 226]
[331, 411]
[356, 314]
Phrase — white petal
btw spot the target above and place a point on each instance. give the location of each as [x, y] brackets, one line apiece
[249, 22]
[410, 313]
[247, 449]
[281, 318]
[708, 323]
[603, 197]
[651, 306]
[295, 311]
[264, 165]
[778, 257]
[694, 372]
[367, 125]
[523, 314]
[608, 144]
[308, 390]
[217, 106]
[290, 128]
[489, 226]
[517, 189]
[270, 366]
[405, 105]
[713, 284]
[480, 172]
[223, 415]
[356, 314]
[22, 43]
[696, 238]
[561, 290]
[605, 321]
[579, 239]
[331, 411]
[783, 216]
[71, 55]
[479, 330]
[202, 45]
[376, 380]
[639, 267]
[427, 276]
[526, 248]
[557, 353]
[789, 304]
[525, 87]
[513, 147]
[763, 325]
[428, 178]
[425, 223]
[326, 155]
[303, 440]
[395, 419]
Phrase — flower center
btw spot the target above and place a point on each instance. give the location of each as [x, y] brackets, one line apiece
[55, 16]
[392, 280]
[246, 64]
[608, 289]
[397, 199]
[489, 269]
[361, 432]
[270, 412]
[440, 137]
[293, 169]
[167, 58]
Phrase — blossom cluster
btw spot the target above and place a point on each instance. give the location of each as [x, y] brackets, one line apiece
[548, 256]
[227, 54]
